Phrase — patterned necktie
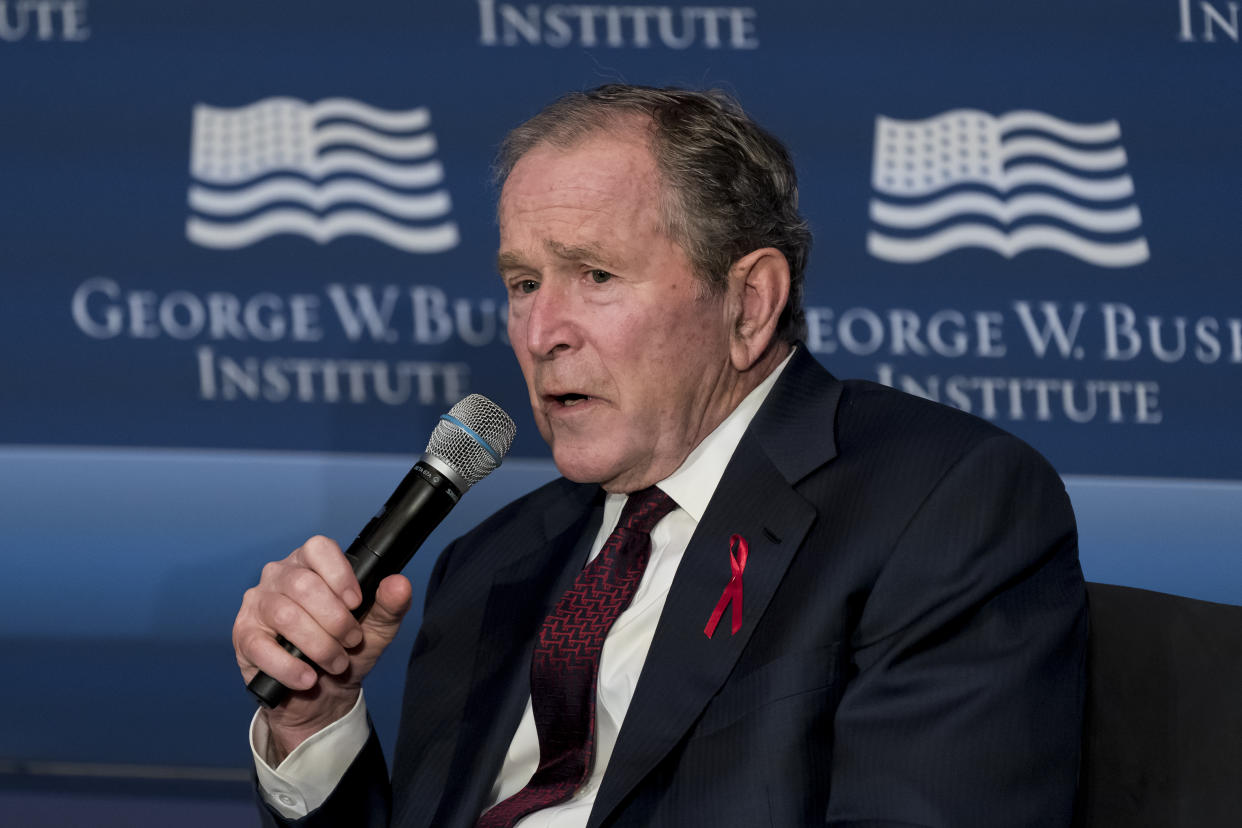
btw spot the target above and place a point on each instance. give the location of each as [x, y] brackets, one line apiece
[566, 662]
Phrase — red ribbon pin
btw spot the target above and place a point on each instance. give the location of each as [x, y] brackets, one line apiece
[733, 590]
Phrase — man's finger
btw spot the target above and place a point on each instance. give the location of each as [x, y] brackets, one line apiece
[308, 588]
[285, 616]
[265, 654]
[324, 556]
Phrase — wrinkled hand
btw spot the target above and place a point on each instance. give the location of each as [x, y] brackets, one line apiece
[307, 598]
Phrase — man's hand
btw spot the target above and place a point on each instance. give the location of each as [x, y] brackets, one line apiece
[307, 598]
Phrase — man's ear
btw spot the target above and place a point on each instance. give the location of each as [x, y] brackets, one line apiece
[759, 289]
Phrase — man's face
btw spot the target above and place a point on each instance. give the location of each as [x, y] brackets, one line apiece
[626, 361]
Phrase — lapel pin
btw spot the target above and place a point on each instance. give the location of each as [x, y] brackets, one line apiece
[733, 590]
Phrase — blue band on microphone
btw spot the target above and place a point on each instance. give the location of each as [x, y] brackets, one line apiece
[474, 435]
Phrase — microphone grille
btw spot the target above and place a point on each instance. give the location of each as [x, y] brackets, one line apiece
[473, 437]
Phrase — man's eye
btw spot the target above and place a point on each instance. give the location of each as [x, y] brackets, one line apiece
[600, 276]
[526, 286]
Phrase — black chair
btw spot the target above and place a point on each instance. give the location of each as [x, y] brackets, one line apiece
[1162, 745]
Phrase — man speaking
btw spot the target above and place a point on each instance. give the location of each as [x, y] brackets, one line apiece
[759, 596]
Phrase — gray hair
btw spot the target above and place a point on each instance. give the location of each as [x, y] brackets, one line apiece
[729, 187]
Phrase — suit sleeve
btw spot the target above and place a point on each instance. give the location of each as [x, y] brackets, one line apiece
[363, 797]
[966, 707]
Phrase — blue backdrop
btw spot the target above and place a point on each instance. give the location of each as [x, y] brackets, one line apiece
[248, 258]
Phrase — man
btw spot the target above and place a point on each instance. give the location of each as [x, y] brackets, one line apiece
[853, 608]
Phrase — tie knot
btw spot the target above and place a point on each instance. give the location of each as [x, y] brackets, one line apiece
[645, 509]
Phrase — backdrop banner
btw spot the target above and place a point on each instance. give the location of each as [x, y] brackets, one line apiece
[248, 258]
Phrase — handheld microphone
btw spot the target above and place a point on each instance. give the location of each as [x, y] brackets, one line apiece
[467, 444]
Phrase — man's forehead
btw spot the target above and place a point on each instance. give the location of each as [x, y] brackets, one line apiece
[587, 198]
[513, 259]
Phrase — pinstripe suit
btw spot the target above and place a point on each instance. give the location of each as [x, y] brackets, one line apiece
[912, 649]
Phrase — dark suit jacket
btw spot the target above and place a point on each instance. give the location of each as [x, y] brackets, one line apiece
[911, 653]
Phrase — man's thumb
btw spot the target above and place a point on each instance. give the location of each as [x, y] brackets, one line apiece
[392, 601]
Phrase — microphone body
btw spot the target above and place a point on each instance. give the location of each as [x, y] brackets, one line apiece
[423, 499]
[388, 542]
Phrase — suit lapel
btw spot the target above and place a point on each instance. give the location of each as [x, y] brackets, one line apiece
[521, 595]
[791, 436]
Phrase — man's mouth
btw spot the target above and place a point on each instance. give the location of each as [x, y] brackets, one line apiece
[569, 400]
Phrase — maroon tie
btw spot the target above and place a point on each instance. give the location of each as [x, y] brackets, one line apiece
[566, 663]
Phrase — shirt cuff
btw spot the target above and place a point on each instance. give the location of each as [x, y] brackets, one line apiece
[308, 775]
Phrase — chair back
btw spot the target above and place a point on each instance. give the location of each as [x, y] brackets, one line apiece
[1162, 745]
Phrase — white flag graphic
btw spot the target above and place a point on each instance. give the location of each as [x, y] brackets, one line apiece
[1043, 183]
[320, 170]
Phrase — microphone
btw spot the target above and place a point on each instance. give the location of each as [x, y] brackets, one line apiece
[467, 444]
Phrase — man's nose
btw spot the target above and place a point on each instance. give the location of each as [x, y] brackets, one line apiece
[552, 325]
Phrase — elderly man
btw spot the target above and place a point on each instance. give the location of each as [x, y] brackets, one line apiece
[759, 596]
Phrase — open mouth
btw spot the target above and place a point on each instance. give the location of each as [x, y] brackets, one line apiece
[569, 400]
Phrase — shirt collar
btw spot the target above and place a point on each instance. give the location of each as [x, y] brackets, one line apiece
[696, 479]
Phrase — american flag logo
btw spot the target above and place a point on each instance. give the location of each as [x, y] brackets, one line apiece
[1021, 181]
[322, 170]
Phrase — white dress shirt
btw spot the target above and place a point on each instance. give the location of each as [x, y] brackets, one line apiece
[304, 780]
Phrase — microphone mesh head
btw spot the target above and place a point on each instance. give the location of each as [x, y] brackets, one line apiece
[461, 449]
